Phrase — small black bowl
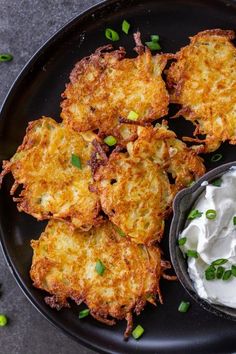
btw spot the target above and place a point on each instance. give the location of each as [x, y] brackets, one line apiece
[182, 205]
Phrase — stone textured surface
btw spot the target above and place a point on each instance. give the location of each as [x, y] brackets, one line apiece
[24, 26]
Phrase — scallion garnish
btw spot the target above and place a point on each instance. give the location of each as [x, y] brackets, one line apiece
[75, 160]
[184, 306]
[84, 313]
[219, 272]
[217, 182]
[153, 45]
[120, 232]
[219, 261]
[3, 320]
[111, 35]
[210, 273]
[125, 26]
[216, 157]
[192, 253]
[227, 274]
[5, 57]
[194, 214]
[138, 332]
[110, 140]
[155, 38]
[132, 115]
[233, 270]
[100, 268]
[182, 241]
[234, 220]
[211, 214]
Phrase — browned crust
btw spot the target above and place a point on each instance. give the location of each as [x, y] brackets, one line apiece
[24, 203]
[176, 78]
[81, 114]
[230, 34]
[58, 302]
[60, 293]
[99, 53]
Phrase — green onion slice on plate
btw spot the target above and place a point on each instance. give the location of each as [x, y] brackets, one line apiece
[111, 35]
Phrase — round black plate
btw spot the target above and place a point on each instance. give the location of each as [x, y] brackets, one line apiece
[37, 92]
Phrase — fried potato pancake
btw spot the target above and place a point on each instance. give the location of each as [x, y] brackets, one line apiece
[161, 146]
[135, 194]
[134, 187]
[52, 186]
[64, 262]
[203, 81]
[107, 86]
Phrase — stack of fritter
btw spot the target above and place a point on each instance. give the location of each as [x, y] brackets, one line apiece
[109, 205]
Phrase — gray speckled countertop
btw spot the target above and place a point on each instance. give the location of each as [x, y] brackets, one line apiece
[24, 26]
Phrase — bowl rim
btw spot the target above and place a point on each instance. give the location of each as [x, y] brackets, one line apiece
[218, 310]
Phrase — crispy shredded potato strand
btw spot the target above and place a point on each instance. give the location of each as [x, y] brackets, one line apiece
[64, 265]
[52, 186]
[106, 86]
[203, 81]
[161, 146]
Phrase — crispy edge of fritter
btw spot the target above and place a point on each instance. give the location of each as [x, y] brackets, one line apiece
[175, 80]
[22, 203]
[100, 59]
[39, 269]
[186, 156]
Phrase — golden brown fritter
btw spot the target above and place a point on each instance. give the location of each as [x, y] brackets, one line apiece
[134, 188]
[203, 81]
[135, 193]
[106, 86]
[52, 186]
[64, 262]
[161, 146]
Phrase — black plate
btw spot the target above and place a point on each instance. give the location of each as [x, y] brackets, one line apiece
[37, 92]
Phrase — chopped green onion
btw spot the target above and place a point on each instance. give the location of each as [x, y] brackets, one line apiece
[220, 271]
[110, 140]
[191, 183]
[210, 273]
[192, 253]
[5, 57]
[219, 261]
[100, 268]
[111, 35]
[217, 182]
[120, 232]
[153, 45]
[3, 320]
[194, 214]
[227, 274]
[75, 160]
[216, 157]
[132, 115]
[182, 241]
[84, 313]
[233, 270]
[211, 214]
[184, 306]
[125, 26]
[138, 332]
[155, 38]
[234, 220]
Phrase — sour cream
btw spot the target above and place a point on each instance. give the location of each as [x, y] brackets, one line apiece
[213, 239]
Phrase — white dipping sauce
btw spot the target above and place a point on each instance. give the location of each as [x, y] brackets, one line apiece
[214, 239]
